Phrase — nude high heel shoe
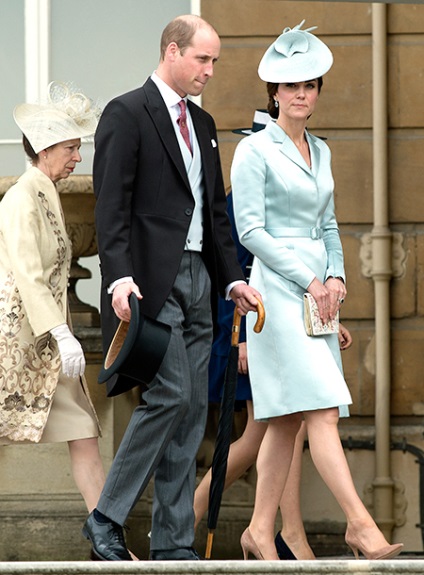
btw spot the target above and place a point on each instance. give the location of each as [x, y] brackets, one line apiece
[385, 552]
[248, 545]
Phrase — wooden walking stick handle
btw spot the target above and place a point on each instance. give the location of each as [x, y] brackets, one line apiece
[261, 317]
[260, 310]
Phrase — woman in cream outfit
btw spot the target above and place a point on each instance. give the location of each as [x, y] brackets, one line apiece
[43, 393]
[284, 208]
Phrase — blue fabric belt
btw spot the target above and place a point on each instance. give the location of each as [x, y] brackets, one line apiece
[313, 233]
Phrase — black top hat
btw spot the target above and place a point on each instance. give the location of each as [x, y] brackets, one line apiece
[136, 351]
[260, 120]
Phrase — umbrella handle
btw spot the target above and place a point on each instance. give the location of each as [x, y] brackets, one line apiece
[260, 310]
[261, 317]
[236, 328]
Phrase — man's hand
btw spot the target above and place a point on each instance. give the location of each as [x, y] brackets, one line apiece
[245, 298]
[120, 297]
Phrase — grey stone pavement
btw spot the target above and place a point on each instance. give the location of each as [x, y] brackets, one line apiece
[398, 566]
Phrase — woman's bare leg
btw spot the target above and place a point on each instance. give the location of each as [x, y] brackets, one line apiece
[272, 471]
[88, 472]
[293, 530]
[330, 460]
[87, 469]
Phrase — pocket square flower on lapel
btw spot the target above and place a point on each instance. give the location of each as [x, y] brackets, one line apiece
[214, 144]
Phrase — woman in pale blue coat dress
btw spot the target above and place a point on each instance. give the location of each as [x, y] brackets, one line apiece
[284, 208]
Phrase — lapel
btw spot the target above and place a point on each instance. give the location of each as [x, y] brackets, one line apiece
[315, 153]
[159, 114]
[288, 148]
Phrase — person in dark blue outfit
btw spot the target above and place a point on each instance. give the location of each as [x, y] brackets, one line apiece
[222, 341]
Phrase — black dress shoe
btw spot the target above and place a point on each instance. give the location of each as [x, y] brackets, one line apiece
[107, 540]
[180, 554]
[283, 550]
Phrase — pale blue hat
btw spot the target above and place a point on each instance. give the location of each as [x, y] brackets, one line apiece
[295, 56]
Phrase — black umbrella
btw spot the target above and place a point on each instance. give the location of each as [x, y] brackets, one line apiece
[225, 425]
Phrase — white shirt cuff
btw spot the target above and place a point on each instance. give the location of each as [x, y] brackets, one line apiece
[117, 282]
[230, 287]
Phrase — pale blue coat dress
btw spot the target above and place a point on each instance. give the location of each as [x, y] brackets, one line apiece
[284, 214]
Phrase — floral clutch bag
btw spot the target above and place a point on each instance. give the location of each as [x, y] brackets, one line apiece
[313, 323]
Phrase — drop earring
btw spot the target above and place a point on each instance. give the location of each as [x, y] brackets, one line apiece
[276, 103]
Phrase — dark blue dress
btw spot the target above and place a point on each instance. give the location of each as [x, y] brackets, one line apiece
[222, 341]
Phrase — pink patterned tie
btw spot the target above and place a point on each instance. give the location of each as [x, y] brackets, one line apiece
[182, 122]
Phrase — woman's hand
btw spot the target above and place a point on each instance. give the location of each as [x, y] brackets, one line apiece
[329, 296]
[242, 358]
[321, 295]
[337, 291]
[70, 351]
[345, 339]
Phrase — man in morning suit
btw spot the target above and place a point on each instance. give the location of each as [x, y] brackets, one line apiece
[163, 233]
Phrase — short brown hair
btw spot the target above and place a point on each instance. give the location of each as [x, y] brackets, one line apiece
[181, 31]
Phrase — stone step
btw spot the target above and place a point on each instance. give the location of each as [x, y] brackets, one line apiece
[398, 566]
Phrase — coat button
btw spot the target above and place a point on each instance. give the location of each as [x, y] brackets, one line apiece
[188, 211]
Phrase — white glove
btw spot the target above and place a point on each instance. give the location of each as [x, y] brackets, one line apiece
[70, 350]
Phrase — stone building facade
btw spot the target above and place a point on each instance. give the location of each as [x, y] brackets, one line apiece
[42, 519]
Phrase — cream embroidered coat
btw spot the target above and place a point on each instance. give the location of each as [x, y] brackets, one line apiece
[35, 257]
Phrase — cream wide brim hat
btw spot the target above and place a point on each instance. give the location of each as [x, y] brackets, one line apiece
[295, 56]
[67, 115]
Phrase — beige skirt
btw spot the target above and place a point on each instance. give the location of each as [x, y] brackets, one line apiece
[71, 416]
